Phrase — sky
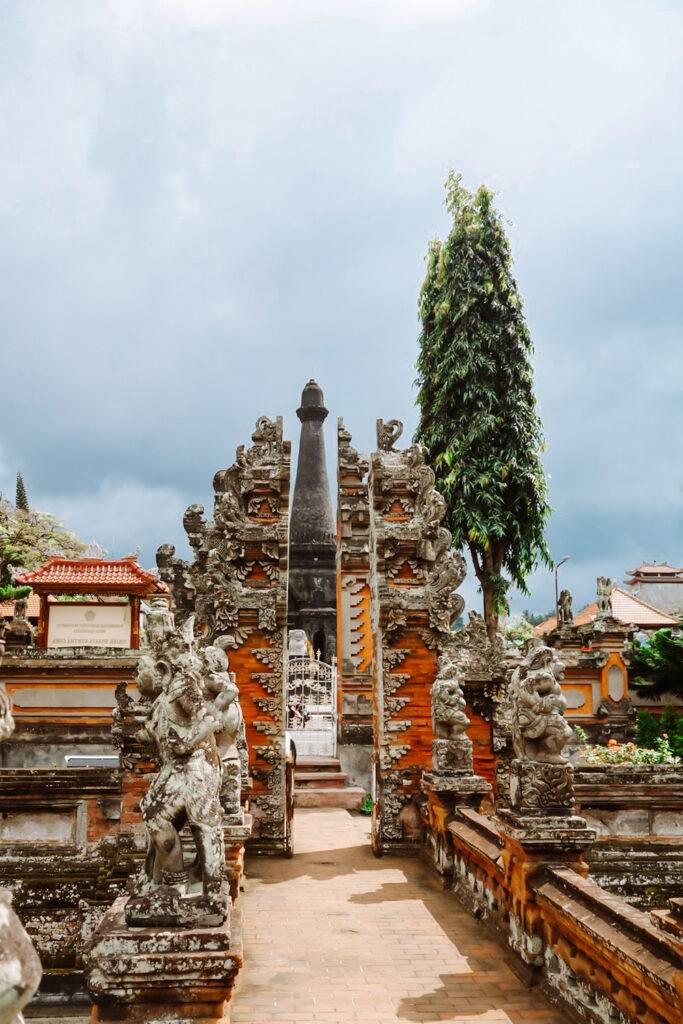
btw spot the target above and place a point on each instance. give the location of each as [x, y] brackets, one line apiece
[203, 204]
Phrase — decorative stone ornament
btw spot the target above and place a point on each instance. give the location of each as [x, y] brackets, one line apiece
[186, 791]
[20, 969]
[605, 588]
[565, 616]
[537, 706]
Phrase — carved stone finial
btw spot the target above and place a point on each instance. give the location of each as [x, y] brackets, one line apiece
[388, 434]
[605, 588]
[267, 431]
[565, 616]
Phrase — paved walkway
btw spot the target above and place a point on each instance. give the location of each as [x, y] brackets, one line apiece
[335, 935]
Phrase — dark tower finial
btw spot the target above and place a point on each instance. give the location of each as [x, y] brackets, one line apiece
[312, 533]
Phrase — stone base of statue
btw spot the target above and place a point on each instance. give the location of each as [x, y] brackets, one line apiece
[541, 789]
[452, 773]
[541, 816]
[157, 974]
[454, 755]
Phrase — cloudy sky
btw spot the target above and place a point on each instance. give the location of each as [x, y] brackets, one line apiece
[204, 203]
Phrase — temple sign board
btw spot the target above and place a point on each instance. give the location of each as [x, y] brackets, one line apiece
[89, 625]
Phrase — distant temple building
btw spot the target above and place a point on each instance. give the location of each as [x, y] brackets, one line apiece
[660, 585]
[312, 536]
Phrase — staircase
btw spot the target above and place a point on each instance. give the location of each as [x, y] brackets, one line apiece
[320, 782]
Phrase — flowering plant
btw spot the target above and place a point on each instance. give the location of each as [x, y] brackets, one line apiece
[626, 753]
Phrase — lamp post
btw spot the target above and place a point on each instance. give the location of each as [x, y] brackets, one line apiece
[557, 589]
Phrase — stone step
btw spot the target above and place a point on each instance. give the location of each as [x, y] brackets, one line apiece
[326, 780]
[312, 763]
[350, 797]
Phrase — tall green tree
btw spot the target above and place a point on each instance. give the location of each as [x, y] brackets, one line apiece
[478, 415]
[21, 500]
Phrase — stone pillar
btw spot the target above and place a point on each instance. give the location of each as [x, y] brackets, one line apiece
[537, 822]
[236, 587]
[354, 627]
[414, 578]
[312, 544]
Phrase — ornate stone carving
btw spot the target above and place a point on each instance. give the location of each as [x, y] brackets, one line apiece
[186, 791]
[236, 586]
[538, 726]
[605, 587]
[20, 969]
[565, 616]
[388, 434]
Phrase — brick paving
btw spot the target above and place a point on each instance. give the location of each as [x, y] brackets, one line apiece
[335, 935]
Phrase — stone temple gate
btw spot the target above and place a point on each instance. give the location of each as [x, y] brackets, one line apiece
[378, 591]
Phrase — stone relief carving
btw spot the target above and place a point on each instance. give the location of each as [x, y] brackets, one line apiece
[236, 585]
[451, 747]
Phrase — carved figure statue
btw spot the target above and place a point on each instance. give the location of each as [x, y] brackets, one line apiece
[445, 604]
[297, 644]
[448, 703]
[159, 622]
[388, 434]
[565, 616]
[6, 717]
[538, 726]
[186, 791]
[605, 587]
[221, 685]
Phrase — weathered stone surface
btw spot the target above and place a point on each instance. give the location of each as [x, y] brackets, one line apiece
[20, 969]
[539, 729]
[163, 974]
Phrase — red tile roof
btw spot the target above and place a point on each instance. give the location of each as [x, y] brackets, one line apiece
[654, 569]
[32, 607]
[91, 575]
[630, 610]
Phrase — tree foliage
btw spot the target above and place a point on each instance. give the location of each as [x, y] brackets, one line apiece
[28, 538]
[21, 499]
[478, 415]
[668, 726]
[659, 664]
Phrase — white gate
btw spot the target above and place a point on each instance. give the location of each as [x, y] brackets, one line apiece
[312, 706]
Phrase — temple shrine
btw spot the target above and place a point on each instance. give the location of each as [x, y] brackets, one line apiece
[294, 666]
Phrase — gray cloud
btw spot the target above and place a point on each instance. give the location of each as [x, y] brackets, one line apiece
[205, 203]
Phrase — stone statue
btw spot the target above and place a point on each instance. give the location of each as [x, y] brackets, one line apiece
[451, 748]
[565, 615]
[186, 791]
[20, 968]
[448, 704]
[297, 644]
[388, 434]
[538, 726]
[605, 587]
[221, 686]
[445, 604]
[6, 717]
[159, 622]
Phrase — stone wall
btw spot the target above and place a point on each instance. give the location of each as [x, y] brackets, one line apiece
[637, 812]
[596, 957]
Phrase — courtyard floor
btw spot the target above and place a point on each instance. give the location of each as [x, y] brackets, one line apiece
[336, 935]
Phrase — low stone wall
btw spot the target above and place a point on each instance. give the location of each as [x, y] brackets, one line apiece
[637, 812]
[595, 955]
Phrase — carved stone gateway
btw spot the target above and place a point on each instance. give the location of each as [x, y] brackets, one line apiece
[236, 587]
[415, 576]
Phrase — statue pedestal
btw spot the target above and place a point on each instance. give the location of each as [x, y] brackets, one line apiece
[151, 975]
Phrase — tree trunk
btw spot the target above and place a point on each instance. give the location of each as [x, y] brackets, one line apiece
[492, 565]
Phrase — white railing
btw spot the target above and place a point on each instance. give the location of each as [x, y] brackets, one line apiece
[312, 706]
